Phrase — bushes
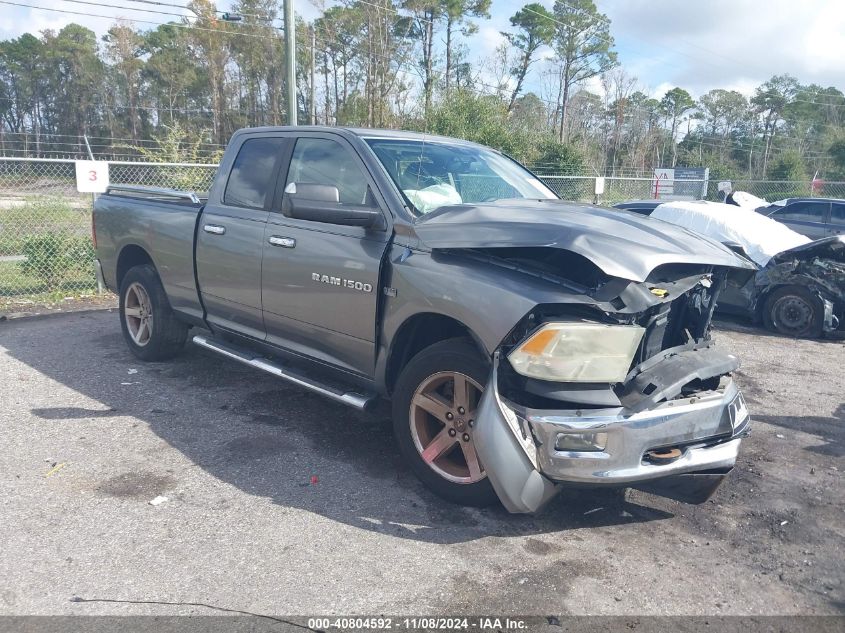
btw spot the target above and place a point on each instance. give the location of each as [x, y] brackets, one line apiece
[485, 120]
[56, 258]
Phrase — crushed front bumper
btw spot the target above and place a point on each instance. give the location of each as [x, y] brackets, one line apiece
[518, 446]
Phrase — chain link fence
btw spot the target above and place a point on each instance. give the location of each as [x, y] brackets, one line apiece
[46, 254]
[619, 189]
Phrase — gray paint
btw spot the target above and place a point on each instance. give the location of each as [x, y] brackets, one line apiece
[625, 245]
[164, 230]
[412, 266]
[267, 292]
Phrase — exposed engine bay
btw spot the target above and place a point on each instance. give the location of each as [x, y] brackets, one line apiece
[674, 306]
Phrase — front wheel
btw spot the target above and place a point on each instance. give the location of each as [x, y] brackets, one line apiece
[150, 327]
[794, 311]
[434, 408]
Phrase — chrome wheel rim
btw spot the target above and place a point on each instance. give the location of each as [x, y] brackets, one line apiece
[793, 314]
[138, 314]
[442, 420]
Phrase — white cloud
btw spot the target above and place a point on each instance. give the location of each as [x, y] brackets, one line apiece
[733, 44]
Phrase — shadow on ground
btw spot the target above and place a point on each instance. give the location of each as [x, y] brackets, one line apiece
[829, 429]
[268, 439]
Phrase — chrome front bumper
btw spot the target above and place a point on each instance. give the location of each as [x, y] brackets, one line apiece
[517, 446]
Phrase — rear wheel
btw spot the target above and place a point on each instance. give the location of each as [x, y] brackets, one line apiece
[794, 311]
[434, 407]
[150, 327]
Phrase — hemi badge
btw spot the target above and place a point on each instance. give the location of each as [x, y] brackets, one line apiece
[659, 292]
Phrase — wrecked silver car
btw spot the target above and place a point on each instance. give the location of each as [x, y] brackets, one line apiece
[525, 343]
[799, 287]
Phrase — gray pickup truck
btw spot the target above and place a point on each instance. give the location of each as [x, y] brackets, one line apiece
[526, 343]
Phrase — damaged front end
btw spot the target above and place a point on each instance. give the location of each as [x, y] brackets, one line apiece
[627, 392]
[819, 267]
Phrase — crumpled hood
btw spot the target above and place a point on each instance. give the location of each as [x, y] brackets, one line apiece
[621, 244]
[832, 247]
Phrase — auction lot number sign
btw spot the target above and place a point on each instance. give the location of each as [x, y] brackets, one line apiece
[92, 176]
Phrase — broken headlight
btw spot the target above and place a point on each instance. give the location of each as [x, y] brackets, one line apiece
[578, 352]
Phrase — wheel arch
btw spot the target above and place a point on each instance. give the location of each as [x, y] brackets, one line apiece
[418, 332]
[131, 255]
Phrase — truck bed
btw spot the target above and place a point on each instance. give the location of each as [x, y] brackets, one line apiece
[160, 221]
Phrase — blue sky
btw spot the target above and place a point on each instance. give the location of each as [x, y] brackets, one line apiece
[697, 44]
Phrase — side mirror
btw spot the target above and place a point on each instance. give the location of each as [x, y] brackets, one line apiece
[310, 191]
[320, 203]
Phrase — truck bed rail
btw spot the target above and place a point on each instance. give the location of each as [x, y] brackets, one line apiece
[154, 191]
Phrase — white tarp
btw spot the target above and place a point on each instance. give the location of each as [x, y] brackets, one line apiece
[747, 200]
[761, 237]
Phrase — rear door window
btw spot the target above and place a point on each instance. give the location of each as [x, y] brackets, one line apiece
[253, 176]
[802, 212]
[837, 214]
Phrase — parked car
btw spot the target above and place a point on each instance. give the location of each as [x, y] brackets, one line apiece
[643, 207]
[814, 217]
[526, 343]
[799, 289]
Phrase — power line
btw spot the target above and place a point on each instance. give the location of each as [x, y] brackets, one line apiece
[111, 6]
[187, 8]
[112, 17]
[162, 4]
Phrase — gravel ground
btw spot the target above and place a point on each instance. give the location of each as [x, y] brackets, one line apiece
[280, 502]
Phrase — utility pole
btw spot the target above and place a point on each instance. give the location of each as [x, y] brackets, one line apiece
[290, 55]
[313, 86]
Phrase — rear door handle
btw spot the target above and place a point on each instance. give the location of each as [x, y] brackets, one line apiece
[284, 242]
[214, 229]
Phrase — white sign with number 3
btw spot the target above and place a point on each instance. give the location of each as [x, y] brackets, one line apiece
[92, 176]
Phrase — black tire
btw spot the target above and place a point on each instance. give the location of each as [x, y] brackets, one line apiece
[794, 311]
[166, 335]
[457, 355]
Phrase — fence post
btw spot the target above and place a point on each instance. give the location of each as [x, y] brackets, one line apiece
[598, 189]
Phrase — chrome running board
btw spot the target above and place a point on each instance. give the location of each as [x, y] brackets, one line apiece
[248, 357]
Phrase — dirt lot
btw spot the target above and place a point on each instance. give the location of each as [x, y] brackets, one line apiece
[280, 502]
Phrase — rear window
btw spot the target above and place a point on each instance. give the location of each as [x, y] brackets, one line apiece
[253, 174]
[837, 214]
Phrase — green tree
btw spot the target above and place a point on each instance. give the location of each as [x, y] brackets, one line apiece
[125, 48]
[770, 100]
[23, 79]
[211, 40]
[788, 166]
[836, 150]
[724, 112]
[559, 158]
[171, 72]
[675, 103]
[75, 75]
[260, 60]
[583, 45]
[457, 14]
[535, 28]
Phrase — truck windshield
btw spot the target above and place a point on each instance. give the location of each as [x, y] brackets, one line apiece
[433, 174]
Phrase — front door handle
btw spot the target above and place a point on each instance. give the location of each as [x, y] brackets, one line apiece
[284, 242]
[214, 229]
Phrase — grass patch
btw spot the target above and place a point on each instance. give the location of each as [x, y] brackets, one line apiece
[40, 216]
[16, 282]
